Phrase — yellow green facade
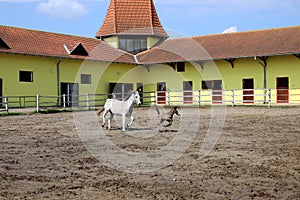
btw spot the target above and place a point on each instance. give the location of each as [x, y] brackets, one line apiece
[49, 73]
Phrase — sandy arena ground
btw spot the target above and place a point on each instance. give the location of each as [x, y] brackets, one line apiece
[257, 156]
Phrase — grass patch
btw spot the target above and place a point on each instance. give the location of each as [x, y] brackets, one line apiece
[11, 113]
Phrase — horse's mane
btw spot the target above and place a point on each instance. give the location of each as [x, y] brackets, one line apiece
[128, 95]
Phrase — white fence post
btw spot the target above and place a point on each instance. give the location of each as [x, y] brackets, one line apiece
[64, 101]
[199, 97]
[270, 96]
[6, 104]
[169, 99]
[37, 103]
[232, 98]
[88, 101]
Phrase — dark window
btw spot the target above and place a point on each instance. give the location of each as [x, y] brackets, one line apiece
[26, 76]
[181, 67]
[213, 85]
[86, 79]
[206, 85]
[188, 85]
[248, 84]
[133, 45]
[119, 90]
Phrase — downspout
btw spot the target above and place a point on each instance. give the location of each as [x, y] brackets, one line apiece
[263, 61]
[58, 80]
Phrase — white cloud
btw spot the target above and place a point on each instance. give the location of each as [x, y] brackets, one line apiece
[231, 29]
[66, 9]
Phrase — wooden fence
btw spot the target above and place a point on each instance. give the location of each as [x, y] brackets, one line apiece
[267, 97]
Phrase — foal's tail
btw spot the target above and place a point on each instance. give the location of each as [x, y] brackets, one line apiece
[100, 111]
[156, 108]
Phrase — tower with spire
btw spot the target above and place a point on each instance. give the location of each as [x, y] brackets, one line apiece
[132, 25]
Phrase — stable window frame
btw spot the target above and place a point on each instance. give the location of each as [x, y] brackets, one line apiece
[180, 66]
[86, 79]
[25, 76]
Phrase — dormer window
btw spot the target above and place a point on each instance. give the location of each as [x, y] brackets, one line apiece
[3, 44]
[79, 50]
[133, 45]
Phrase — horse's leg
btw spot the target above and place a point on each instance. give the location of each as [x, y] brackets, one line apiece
[103, 117]
[131, 120]
[109, 120]
[123, 122]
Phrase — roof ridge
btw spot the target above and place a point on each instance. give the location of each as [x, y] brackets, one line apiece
[115, 15]
[242, 32]
[40, 31]
[151, 16]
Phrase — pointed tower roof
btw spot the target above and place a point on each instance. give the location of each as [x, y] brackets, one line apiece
[131, 17]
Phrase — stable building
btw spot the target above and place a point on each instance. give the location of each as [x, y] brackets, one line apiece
[132, 51]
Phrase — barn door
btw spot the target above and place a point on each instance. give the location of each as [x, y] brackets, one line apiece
[216, 87]
[161, 92]
[217, 93]
[71, 92]
[248, 90]
[187, 92]
[282, 89]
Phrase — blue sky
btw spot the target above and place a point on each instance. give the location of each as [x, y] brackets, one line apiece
[179, 17]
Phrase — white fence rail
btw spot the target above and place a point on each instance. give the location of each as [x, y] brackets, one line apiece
[267, 97]
[4, 104]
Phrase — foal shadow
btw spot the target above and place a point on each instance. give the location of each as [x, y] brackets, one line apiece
[140, 129]
[167, 131]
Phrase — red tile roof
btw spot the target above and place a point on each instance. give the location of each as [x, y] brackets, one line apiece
[31, 42]
[133, 17]
[268, 42]
[232, 45]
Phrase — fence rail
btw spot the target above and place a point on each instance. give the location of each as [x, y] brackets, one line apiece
[267, 97]
[4, 104]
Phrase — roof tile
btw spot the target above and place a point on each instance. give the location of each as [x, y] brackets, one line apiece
[222, 46]
[134, 17]
[31, 42]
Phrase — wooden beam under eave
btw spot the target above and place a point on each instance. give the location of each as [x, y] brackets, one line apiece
[201, 63]
[172, 64]
[231, 61]
[147, 66]
[263, 60]
[297, 55]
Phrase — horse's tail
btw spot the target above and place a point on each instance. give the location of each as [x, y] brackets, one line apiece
[100, 111]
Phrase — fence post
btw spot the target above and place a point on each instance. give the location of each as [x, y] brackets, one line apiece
[168, 92]
[199, 97]
[64, 101]
[270, 96]
[88, 101]
[37, 103]
[232, 95]
[6, 104]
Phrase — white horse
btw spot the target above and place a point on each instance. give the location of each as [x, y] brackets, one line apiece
[123, 108]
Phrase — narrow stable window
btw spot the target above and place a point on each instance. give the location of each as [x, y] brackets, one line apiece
[133, 45]
[26, 76]
[181, 67]
[206, 85]
[86, 79]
